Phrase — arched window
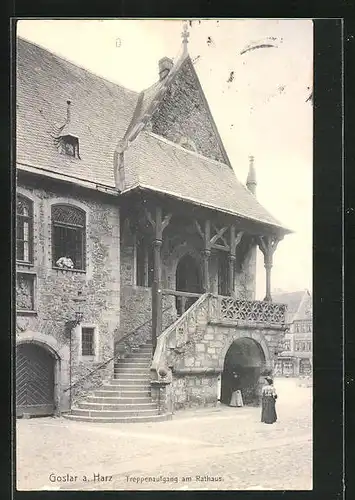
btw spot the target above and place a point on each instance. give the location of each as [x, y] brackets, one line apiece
[24, 229]
[68, 237]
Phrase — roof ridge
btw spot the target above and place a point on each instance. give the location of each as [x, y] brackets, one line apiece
[77, 65]
[181, 148]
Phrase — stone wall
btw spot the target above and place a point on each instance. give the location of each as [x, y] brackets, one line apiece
[55, 289]
[136, 313]
[183, 115]
[192, 391]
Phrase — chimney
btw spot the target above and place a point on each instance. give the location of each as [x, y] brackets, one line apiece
[165, 66]
[251, 180]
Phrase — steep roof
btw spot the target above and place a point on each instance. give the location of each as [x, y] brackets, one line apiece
[154, 163]
[297, 303]
[100, 114]
[103, 115]
[150, 99]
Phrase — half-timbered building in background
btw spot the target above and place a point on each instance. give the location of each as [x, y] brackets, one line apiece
[136, 248]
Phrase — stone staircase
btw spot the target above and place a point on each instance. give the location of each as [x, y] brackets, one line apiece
[125, 397]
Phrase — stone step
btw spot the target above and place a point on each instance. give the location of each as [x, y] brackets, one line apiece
[130, 375]
[121, 399]
[126, 420]
[114, 413]
[119, 391]
[133, 367]
[122, 382]
[133, 362]
[122, 387]
[134, 372]
[139, 355]
[121, 405]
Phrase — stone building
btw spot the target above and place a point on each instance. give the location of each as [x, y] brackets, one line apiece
[295, 358]
[136, 248]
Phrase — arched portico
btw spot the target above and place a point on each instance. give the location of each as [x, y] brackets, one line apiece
[244, 362]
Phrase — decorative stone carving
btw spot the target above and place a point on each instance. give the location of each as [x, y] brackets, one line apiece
[25, 292]
[255, 311]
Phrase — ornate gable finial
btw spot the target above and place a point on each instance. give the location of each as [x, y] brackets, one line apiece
[185, 35]
[251, 180]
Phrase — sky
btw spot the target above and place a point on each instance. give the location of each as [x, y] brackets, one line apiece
[257, 98]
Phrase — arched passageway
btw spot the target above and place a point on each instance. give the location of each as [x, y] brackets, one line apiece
[243, 365]
[188, 279]
[35, 380]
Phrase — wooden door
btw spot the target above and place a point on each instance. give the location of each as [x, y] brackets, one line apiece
[34, 380]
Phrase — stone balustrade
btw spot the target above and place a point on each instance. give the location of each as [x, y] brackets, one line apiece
[230, 310]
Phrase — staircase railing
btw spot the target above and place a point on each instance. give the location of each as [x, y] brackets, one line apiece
[174, 336]
[114, 357]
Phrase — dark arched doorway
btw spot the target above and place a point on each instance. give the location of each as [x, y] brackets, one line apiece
[243, 365]
[188, 279]
[35, 380]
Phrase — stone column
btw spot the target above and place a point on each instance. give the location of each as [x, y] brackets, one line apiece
[206, 256]
[157, 297]
[268, 245]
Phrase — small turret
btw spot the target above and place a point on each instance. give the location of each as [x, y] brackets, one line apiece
[251, 180]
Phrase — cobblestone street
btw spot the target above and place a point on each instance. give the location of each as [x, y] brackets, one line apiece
[221, 448]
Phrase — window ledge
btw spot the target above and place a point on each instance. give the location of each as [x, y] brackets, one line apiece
[24, 312]
[21, 263]
[63, 270]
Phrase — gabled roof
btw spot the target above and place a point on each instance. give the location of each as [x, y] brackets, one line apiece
[103, 116]
[150, 99]
[297, 303]
[154, 163]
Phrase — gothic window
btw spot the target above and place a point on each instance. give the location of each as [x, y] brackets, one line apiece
[24, 229]
[144, 263]
[87, 341]
[68, 237]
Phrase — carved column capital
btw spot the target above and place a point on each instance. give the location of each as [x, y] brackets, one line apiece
[157, 243]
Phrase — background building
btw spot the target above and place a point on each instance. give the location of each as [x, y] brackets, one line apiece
[296, 356]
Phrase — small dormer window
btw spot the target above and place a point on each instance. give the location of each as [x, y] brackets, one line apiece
[67, 140]
[70, 145]
[69, 148]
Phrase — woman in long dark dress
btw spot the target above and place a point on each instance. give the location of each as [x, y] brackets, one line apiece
[269, 396]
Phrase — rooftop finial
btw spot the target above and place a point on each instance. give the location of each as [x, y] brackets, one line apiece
[251, 180]
[185, 35]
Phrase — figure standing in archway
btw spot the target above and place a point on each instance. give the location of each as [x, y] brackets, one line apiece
[268, 402]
